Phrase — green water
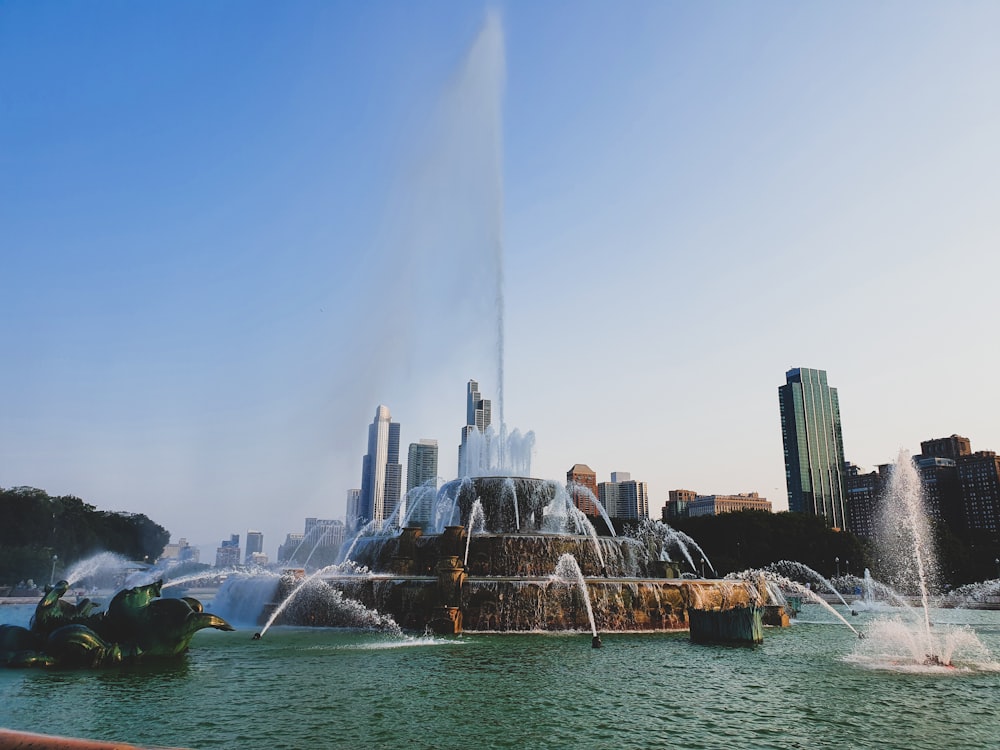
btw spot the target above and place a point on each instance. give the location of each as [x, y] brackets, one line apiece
[301, 688]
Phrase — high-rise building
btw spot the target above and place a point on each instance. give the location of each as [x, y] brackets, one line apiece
[623, 497]
[581, 481]
[949, 447]
[979, 475]
[864, 497]
[677, 504]
[255, 545]
[227, 554]
[381, 472]
[293, 542]
[353, 509]
[421, 482]
[323, 533]
[474, 450]
[942, 489]
[422, 464]
[814, 446]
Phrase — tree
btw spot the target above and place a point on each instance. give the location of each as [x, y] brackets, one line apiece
[754, 539]
[35, 526]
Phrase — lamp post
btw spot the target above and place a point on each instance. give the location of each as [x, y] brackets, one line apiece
[52, 575]
[847, 564]
[997, 561]
[703, 567]
[837, 560]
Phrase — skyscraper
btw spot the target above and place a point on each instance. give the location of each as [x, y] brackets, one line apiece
[227, 554]
[381, 472]
[421, 463]
[255, 545]
[353, 522]
[474, 452]
[814, 445]
[979, 474]
[624, 497]
[421, 482]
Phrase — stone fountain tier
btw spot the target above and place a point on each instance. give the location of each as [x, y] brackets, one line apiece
[453, 602]
[523, 555]
[422, 580]
[510, 504]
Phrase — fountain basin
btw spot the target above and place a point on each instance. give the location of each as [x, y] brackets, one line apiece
[518, 604]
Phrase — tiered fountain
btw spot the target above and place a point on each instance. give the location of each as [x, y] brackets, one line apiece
[494, 556]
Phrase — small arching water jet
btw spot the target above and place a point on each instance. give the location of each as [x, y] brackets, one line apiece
[568, 572]
[103, 563]
[475, 515]
[356, 613]
[783, 582]
[510, 491]
[654, 531]
[788, 568]
[575, 489]
[583, 526]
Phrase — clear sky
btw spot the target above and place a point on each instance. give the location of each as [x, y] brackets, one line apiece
[229, 230]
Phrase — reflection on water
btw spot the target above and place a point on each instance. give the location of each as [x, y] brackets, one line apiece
[299, 687]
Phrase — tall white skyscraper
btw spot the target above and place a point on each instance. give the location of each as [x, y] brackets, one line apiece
[381, 472]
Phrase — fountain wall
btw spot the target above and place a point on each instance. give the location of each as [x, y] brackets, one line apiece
[506, 584]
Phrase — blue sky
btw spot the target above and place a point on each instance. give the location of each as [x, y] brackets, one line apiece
[228, 231]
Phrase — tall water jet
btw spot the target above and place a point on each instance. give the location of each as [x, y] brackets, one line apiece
[905, 537]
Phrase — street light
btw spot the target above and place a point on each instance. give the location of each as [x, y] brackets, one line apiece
[52, 575]
[703, 567]
[847, 564]
[837, 560]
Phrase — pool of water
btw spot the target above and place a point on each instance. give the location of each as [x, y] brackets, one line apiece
[297, 688]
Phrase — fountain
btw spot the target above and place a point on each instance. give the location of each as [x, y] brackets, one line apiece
[770, 585]
[475, 516]
[908, 557]
[484, 562]
[447, 573]
[568, 572]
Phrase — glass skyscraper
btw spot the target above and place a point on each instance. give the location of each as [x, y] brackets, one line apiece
[381, 472]
[814, 446]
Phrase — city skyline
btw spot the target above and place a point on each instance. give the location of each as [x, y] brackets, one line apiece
[230, 232]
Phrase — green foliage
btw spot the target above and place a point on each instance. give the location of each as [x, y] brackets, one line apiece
[754, 539]
[35, 526]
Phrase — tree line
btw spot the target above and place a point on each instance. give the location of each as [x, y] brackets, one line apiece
[40, 534]
[754, 539]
